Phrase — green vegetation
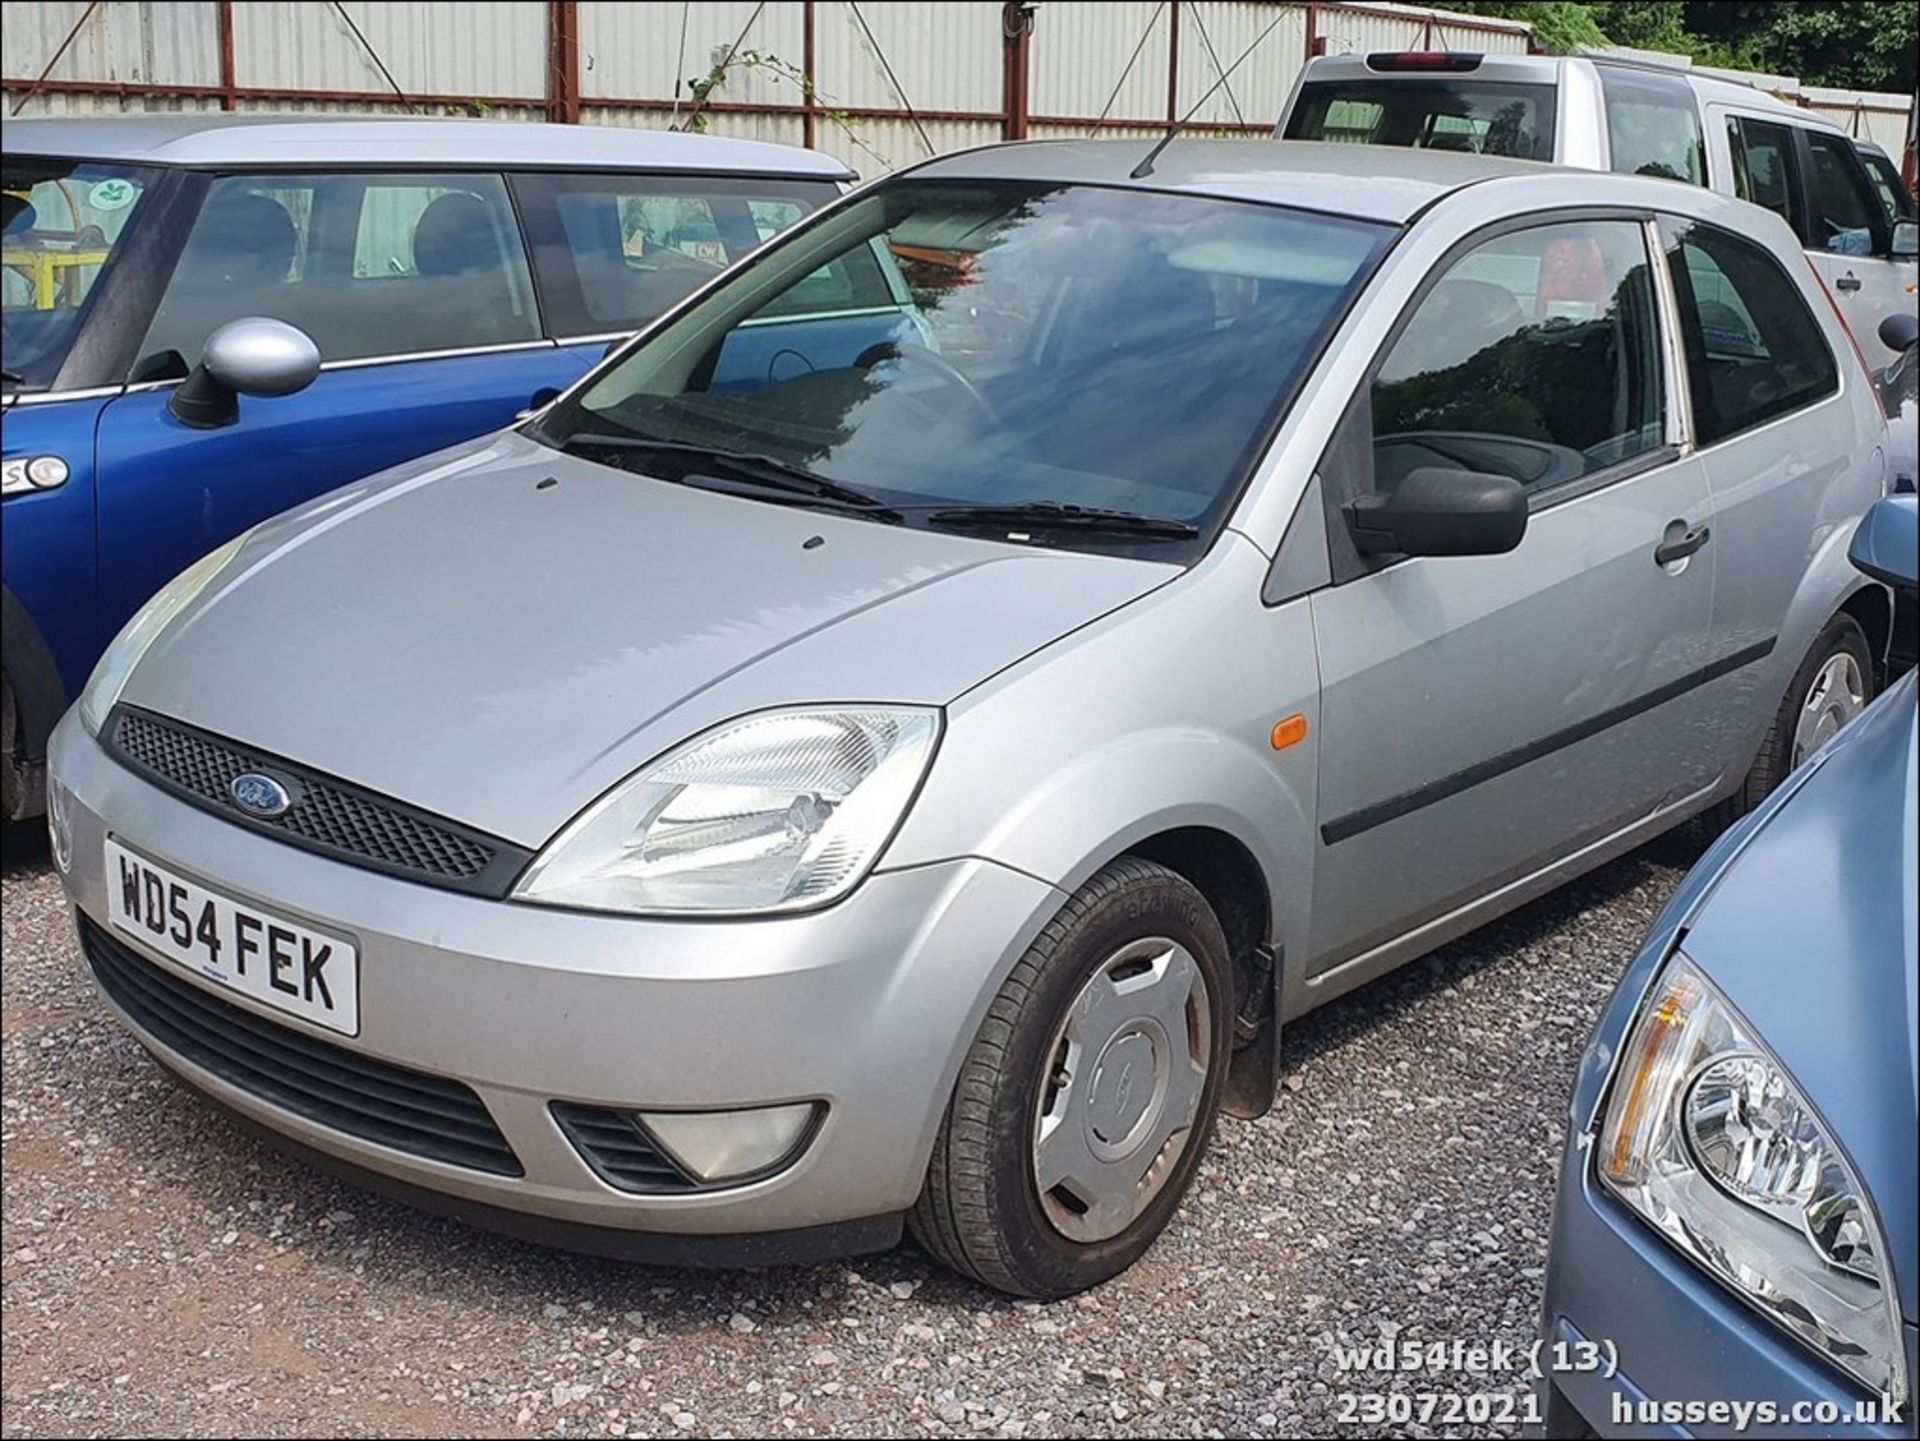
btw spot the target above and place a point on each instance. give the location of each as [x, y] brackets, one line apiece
[1856, 44]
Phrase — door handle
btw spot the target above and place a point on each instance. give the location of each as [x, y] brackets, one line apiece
[1679, 548]
[1849, 281]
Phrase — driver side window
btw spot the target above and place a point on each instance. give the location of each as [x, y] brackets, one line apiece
[1535, 356]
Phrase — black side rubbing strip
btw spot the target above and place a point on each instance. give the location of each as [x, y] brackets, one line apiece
[1407, 802]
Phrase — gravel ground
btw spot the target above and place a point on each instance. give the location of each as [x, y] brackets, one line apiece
[165, 1274]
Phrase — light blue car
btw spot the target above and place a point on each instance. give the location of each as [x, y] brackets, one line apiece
[1734, 1243]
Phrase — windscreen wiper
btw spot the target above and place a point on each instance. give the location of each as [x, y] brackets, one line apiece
[13, 377]
[734, 472]
[1047, 515]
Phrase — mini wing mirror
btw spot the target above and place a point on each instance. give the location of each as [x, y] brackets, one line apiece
[1899, 331]
[1906, 240]
[1886, 545]
[255, 356]
[1436, 511]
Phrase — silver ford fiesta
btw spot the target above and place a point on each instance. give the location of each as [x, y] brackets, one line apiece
[894, 744]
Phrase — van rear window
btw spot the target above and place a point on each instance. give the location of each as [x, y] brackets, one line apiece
[1481, 117]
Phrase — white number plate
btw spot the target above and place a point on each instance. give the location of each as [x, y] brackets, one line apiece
[282, 964]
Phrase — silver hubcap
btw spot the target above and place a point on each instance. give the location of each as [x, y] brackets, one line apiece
[1124, 1079]
[1837, 695]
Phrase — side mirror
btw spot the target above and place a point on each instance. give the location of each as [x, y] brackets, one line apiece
[1899, 331]
[1441, 512]
[255, 356]
[1906, 240]
[1886, 545]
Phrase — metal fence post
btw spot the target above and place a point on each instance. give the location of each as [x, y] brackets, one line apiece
[563, 61]
[1016, 33]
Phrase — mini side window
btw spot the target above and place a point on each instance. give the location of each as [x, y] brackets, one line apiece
[1754, 349]
[615, 251]
[1535, 356]
[368, 265]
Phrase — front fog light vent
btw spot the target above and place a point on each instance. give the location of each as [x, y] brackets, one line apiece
[668, 1152]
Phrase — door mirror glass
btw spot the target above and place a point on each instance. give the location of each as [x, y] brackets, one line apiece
[1906, 241]
[1899, 331]
[255, 356]
[1435, 511]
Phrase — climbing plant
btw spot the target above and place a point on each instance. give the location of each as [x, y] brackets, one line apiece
[702, 87]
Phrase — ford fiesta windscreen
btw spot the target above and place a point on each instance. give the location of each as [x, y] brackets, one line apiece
[1066, 365]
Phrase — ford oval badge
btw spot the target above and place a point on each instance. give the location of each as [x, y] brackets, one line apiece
[260, 795]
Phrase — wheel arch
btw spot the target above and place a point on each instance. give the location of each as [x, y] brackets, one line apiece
[38, 698]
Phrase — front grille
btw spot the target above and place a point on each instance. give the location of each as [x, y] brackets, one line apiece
[327, 815]
[619, 1150]
[341, 1089]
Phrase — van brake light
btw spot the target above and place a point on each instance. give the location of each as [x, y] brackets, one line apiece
[1442, 61]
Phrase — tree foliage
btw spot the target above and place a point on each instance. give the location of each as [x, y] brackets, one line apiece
[1854, 44]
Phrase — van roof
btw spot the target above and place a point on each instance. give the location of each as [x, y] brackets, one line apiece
[1545, 70]
[312, 140]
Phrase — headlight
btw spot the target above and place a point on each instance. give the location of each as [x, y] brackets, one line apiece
[774, 812]
[110, 675]
[1706, 1136]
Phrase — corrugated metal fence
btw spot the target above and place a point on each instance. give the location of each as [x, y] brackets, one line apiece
[891, 80]
[878, 82]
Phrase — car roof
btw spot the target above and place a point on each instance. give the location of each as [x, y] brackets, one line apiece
[228, 140]
[1369, 182]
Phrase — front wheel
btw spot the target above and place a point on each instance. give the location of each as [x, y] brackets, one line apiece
[1087, 1099]
[1832, 686]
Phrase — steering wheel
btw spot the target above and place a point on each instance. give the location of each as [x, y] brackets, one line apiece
[905, 351]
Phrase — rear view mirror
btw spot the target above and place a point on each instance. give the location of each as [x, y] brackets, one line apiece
[1899, 331]
[255, 356]
[1435, 511]
[1906, 240]
[1887, 544]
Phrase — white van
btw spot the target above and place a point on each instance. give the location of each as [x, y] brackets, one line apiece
[1640, 119]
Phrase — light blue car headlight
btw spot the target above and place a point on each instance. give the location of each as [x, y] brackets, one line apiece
[110, 675]
[1706, 1136]
[780, 811]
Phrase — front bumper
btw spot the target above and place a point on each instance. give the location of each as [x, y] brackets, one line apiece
[868, 1006]
[1677, 1338]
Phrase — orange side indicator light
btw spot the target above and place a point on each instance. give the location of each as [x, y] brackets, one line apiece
[1290, 732]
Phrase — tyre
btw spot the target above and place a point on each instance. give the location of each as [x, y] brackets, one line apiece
[12, 790]
[1832, 686]
[1087, 1100]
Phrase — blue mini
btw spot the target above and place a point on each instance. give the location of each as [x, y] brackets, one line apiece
[430, 279]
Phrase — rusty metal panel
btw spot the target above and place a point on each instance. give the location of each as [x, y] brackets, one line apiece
[1216, 33]
[122, 42]
[1081, 52]
[432, 47]
[946, 57]
[375, 105]
[1146, 134]
[641, 51]
[777, 128]
[873, 146]
[71, 103]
